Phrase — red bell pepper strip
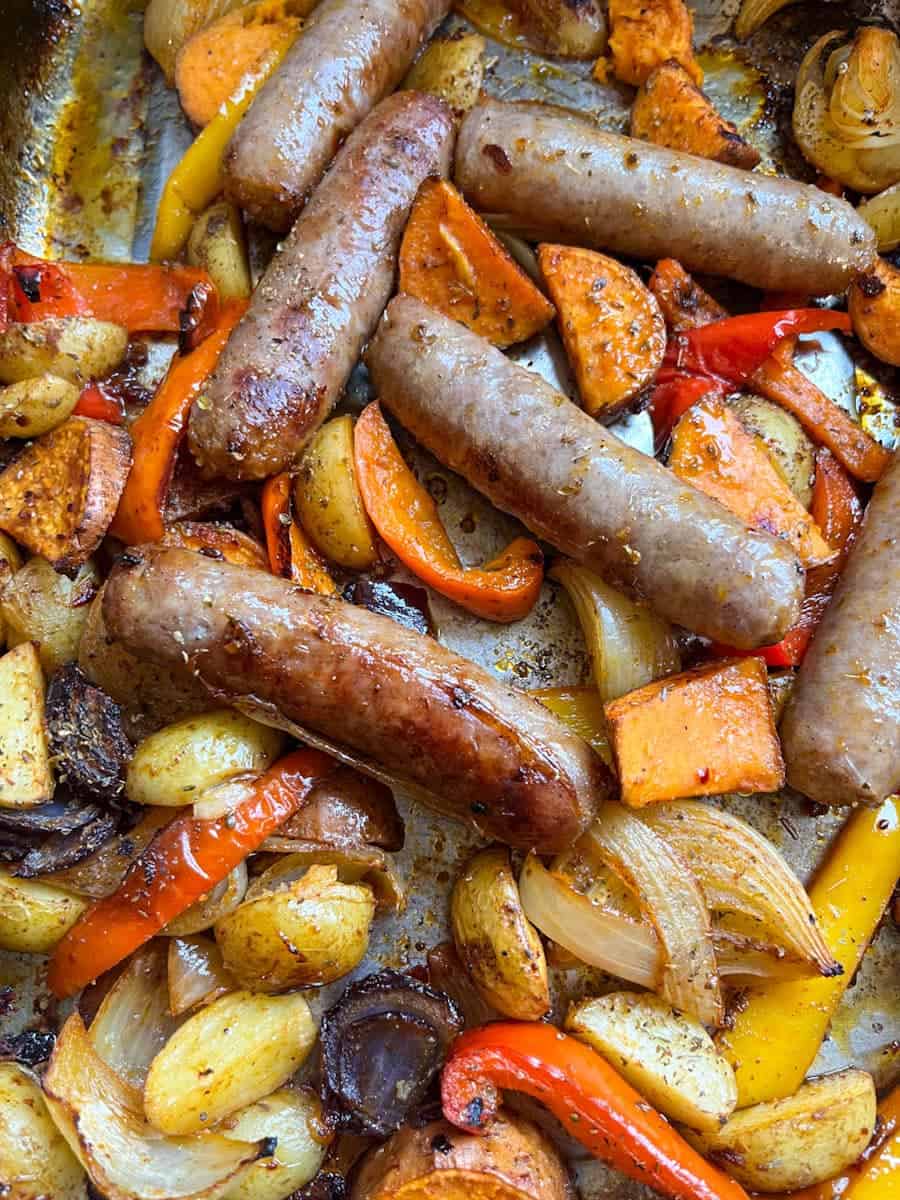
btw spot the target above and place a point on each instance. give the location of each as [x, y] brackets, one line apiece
[100, 403]
[675, 392]
[291, 555]
[184, 861]
[144, 297]
[594, 1103]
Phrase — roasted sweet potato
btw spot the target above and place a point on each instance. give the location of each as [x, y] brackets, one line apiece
[59, 496]
[684, 303]
[610, 323]
[712, 450]
[450, 259]
[646, 33]
[217, 541]
[670, 110]
[706, 731]
[452, 68]
[874, 303]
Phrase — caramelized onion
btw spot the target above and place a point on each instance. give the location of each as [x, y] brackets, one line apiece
[754, 14]
[882, 212]
[196, 973]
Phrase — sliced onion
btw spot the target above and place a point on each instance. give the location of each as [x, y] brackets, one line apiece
[755, 13]
[133, 1023]
[101, 873]
[222, 900]
[102, 1118]
[355, 864]
[629, 645]
[672, 901]
[882, 212]
[741, 872]
[222, 798]
[196, 973]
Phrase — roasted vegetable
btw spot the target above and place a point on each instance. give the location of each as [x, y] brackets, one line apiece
[347, 809]
[874, 303]
[217, 244]
[501, 950]
[34, 916]
[169, 23]
[789, 447]
[877, 1172]
[569, 28]
[291, 553]
[37, 405]
[26, 776]
[294, 1120]
[102, 872]
[35, 1160]
[87, 738]
[610, 323]
[217, 541]
[783, 1145]
[212, 907]
[882, 212]
[72, 348]
[667, 1056]
[196, 974]
[683, 302]
[42, 606]
[452, 68]
[645, 33]
[382, 1044]
[328, 501]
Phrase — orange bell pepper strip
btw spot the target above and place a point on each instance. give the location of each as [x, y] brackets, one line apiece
[185, 861]
[144, 297]
[876, 1175]
[99, 403]
[406, 517]
[158, 431]
[291, 555]
[590, 1098]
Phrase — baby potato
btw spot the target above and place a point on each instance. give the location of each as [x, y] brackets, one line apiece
[228, 1055]
[308, 932]
[295, 1119]
[10, 562]
[452, 68]
[39, 605]
[35, 406]
[217, 244]
[785, 1145]
[783, 436]
[26, 773]
[35, 1160]
[75, 348]
[500, 948]
[668, 1056]
[34, 915]
[328, 500]
[173, 766]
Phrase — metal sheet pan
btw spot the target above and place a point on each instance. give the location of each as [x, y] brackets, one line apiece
[88, 133]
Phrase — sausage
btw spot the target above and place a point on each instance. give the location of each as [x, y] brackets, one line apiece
[290, 356]
[562, 178]
[536, 455]
[397, 701]
[350, 55]
[841, 727]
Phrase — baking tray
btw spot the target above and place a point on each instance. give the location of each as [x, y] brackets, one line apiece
[88, 134]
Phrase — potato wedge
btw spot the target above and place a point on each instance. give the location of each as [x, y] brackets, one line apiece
[308, 932]
[174, 766]
[226, 1056]
[293, 1117]
[35, 915]
[784, 1145]
[611, 325]
[328, 501]
[41, 606]
[58, 497]
[452, 68]
[10, 562]
[35, 406]
[793, 453]
[874, 304]
[26, 777]
[75, 348]
[500, 948]
[35, 1160]
[217, 244]
[667, 1056]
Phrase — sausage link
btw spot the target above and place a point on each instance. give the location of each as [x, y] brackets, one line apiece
[351, 54]
[841, 727]
[562, 178]
[485, 753]
[539, 457]
[286, 363]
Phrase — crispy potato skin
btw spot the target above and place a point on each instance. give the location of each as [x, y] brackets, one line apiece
[74, 348]
[874, 304]
[511, 1161]
[792, 451]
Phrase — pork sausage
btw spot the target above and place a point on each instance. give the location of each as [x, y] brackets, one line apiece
[536, 455]
[351, 54]
[564, 179]
[398, 701]
[841, 727]
[290, 356]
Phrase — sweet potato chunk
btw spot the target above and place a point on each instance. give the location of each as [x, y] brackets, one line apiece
[610, 323]
[874, 303]
[59, 496]
[712, 450]
[684, 303]
[450, 259]
[670, 110]
[703, 732]
[646, 33]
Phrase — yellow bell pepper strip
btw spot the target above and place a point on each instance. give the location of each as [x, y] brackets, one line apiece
[876, 1176]
[406, 517]
[198, 178]
[777, 1034]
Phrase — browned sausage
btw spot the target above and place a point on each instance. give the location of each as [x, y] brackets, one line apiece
[351, 54]
[841, 727]
[539, 457]
[398, 701]
[288, 360]
[566, 180]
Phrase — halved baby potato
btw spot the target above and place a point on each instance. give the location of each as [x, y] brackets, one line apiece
[35, 1160]
[296, 1120]
[42, 606]
[26, 776]
[73, 348]
[328, 500]
[34, 916]
[35, 406]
